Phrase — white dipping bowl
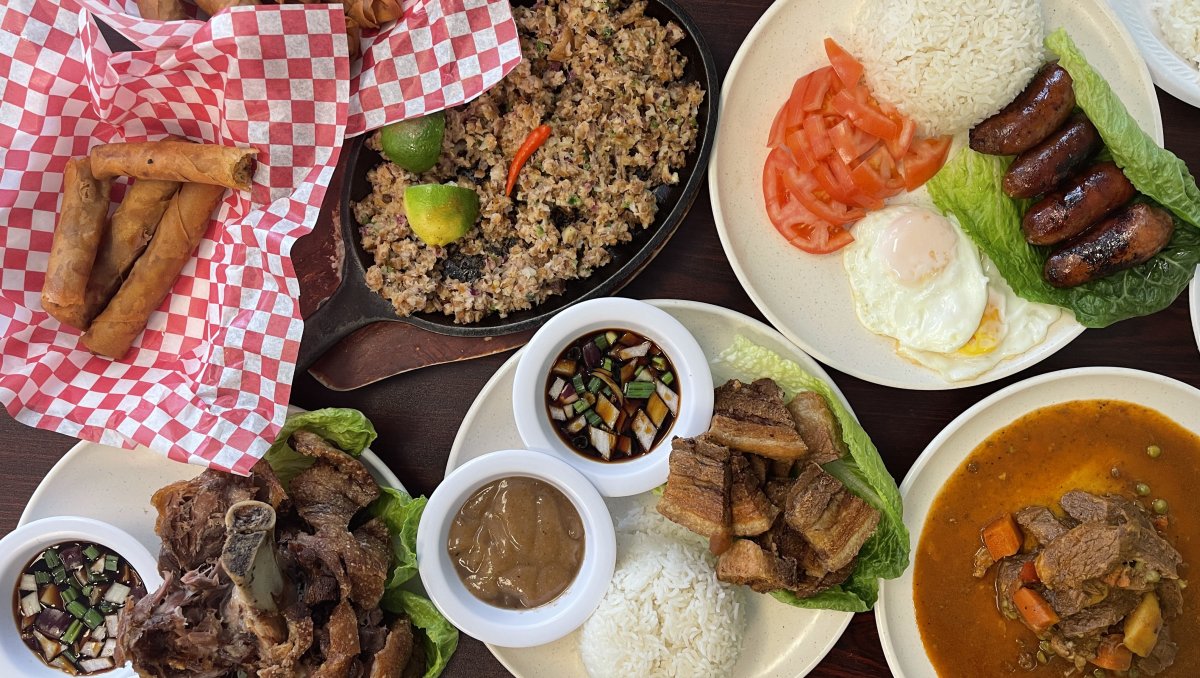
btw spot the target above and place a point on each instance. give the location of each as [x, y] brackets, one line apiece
[22, 544]
[693, 384]
[496, 625]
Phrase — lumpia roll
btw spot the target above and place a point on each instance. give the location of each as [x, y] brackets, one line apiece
[81, 224]
[152, 276]
[133, 224]
[214, 6]
[177, 161]
[161, 10]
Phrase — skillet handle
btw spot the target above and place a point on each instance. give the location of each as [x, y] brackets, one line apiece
[341, 314]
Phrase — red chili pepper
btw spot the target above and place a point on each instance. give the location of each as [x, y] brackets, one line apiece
[535, 139]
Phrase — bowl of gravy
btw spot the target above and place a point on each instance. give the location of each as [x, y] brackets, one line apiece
[516, 548]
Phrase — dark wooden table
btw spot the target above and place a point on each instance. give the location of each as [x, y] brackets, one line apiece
[417, 414]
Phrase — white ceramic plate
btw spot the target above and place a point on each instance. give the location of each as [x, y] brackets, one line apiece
[895, 614]
[115, 486]
[1171, 71]
[807, 297]
[780, 641]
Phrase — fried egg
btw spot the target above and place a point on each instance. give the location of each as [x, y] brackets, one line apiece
[1009, 327]
[916, 278]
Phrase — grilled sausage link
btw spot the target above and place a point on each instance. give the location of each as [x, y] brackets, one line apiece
[1048, 164]
[1077, 204]
[1037, 111]
[1124, 240]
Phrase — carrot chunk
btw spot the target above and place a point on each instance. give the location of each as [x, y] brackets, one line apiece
[1034, 609]
[1002, 537]
[1112, 653]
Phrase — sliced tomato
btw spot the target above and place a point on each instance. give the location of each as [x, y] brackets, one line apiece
[923, 160]
[898, 146]
[854, 194]
[829, 184]
[851, 143]
[848, 69]
[789, 115]
[818, 137]
[864, 116]
[820, 82]
[774, 194]
[819, 237]
[797, 143]
[804, 187]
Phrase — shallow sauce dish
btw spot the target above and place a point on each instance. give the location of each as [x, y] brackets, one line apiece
[693, 384]
[27, 541]
[794, 289]
[896, 612]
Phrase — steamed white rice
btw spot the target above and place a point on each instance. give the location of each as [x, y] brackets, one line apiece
[1179, 21]
[665, 613]
[948, 64]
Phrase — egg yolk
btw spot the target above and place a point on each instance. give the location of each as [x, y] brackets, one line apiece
[990, 331]
[917, 245]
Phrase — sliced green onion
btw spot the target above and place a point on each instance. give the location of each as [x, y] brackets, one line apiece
[611, 336]
[607, 364]
[77, 609]
[69, 594]
[577, 382]
[639, 389]
[601, 341]
[593, 418]
[93, 619]
[594, 385]
[87, 589]
[72, 633]
[667, 378]
[42, 577]
[69, 656]
[51, 558]
[580, 406]
[91, 552]
[59, 575]
[659, 362]
[111, 562]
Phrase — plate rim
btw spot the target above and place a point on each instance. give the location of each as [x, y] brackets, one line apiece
[816, 368]
[849, 367]
[890, 651]
[1194, 305]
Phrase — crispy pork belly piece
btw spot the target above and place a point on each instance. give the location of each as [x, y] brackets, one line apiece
[820, 430]
[698, 487]
[753, 418]
[834, 520]
[748, 564]
[752, 513]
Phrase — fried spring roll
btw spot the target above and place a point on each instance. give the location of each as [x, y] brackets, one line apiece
[81, 224]
[176, 161]
[152, 276]
[133, 224]
[214, 6]
[161, 10]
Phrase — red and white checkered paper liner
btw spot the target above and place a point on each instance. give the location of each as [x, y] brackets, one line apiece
[209, 381]
[439, 54]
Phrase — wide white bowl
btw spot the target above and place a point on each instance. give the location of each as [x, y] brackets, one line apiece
[1170, 70]
[895, 614]
[695, 388]
[495, 625]
[22, 544]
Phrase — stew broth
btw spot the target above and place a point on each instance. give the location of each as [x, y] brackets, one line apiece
[1099, 446]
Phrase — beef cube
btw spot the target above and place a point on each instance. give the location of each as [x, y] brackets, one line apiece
[1008, 580]
[1095, 620]
[698, 486]
[1069, 601]
[1160, 658]
[819, 429]
[1111, 509]
[1121, 555]
[748, 564]
[752, 513]
[1170, 598]
[1041, 523]
[832, 519]
[753, 418]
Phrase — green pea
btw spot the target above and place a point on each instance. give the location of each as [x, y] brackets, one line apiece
[1154, 451]
[1142, 489]
[1042, 658]
[1159, 506]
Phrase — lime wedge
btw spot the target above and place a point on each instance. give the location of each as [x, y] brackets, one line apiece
[414, 144]
[439, 213]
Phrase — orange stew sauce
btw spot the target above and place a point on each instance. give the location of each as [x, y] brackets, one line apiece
[1035, 460]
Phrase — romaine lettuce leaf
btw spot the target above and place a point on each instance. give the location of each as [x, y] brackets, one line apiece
[401, 513]
[1155, 171]
[969, 188]
[439, 635]
[886, 553]
[349, 430]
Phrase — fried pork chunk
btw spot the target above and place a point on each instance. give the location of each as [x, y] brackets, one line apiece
[832, 519]
[820, 430]
[698, 487]
[752, 512]
[753, 418]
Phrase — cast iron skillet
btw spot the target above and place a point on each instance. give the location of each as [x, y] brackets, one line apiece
[355, 305]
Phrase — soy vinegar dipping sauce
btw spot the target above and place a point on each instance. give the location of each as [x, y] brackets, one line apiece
[517, 543]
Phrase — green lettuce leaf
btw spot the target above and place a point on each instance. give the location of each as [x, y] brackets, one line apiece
[886, 553]
[969, 187]
[349, 430]
[1155, 171]
[439, 635]
[401, 513]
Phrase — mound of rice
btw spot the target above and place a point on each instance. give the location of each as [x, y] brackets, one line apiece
[1179, 21]
[665, 613]
[948, 64]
